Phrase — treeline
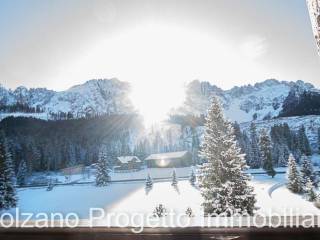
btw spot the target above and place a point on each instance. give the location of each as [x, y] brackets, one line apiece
[307, 103]
[283, 141]
[187, 120]
[25, 108]
[89, 114]
[20, 107]
[52, 145]
[171, 140]
[8, 196]
[161, 141]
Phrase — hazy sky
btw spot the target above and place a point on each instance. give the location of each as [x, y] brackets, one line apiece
[157, 45]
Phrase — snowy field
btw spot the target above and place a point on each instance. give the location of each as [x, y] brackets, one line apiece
[129, 197]
[156, 173]
[272, 198]
[138, 175]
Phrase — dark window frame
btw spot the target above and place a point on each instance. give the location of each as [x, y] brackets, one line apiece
[100, 233]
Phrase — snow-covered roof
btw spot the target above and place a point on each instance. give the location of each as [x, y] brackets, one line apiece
[126, 159]
[167, 155]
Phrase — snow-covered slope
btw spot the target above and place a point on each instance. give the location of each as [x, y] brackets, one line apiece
[311, 124]
[130, 198]
[261, 101]
[183, 135]
[95, 97]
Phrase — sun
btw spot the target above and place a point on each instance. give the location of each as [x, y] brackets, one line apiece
[158, 60]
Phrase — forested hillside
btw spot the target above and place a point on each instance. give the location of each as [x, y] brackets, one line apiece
[306, 103]
[52, 145]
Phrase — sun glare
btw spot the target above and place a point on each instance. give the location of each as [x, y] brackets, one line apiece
[162, 162]
[158, 60]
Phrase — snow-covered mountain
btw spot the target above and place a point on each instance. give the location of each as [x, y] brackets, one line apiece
[264, 100]
[95, 97]
[261, 101]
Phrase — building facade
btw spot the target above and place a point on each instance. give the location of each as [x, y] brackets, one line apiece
[128, 163]
[169, 160]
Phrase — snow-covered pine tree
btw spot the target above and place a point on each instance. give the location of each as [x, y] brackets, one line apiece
[239, 136]
[102, 176]
[71, 155]
[160, 211]
[266, 154]
[140, 150]
[307, 171]
[304, 144]
[255, 160]
[22, 173]
[294, 178]
[174, 182]
[247, 147]
[149, 183]
[195, 147]
[192, 177]
[281, 153]
[309, 189]
[8, 197]
[50, 185]
[222, 181]
[189, 212]
[296, 146]
[286, 135]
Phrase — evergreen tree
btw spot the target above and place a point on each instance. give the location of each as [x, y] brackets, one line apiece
[307, 172]
[222, 181]
[140, 150]
[189, 212]
[50, 185]
[8, 197]
[192, 178]
[247, 147]
[311, 195]
[287, 135]
[296, 146]
[318, 140]
[71, 154]
[174, 182]
[160, 211]
[304, 144]
[157, 143]
[239, 136]
[22, 173]
[149, 183]
[266, 155]
[102, 176]
[282, 143]
[281, 153]
[195, 147]
[255, 160]
[169, 140]
[294, 179]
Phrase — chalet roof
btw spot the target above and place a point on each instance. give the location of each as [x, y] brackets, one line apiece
[126, 159]
[167, 155]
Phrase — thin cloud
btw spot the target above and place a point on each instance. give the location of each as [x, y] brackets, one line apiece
[254, 47]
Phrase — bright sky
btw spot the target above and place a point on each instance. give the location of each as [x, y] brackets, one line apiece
[157, 46]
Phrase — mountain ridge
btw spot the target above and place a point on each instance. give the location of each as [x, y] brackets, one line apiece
[259, 101]
[94, 97]
[262, 100]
